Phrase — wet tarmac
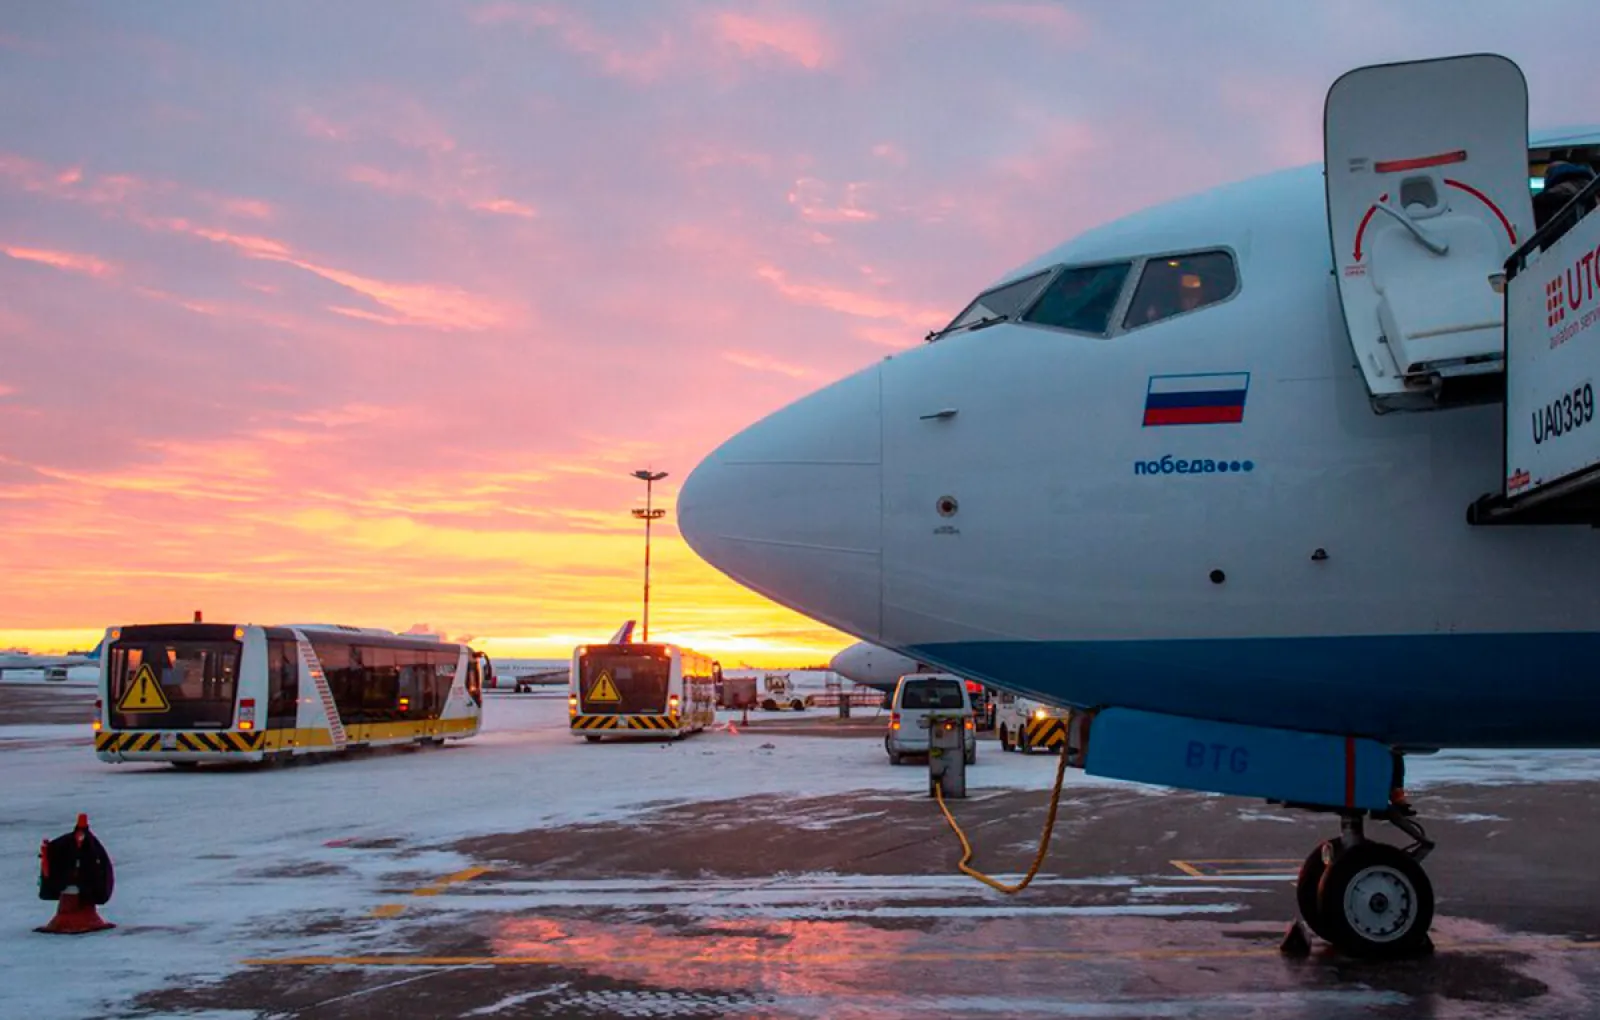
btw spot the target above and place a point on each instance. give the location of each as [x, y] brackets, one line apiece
[36, 703]
[1148, 905]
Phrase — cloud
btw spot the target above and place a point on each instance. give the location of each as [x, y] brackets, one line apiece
[817, 202]
[74, 262]
[644, 53]
[505, 207]
[429, 305]
[791, 38]
[417, 304]
[642, 63]
[846, 301]
[758, 363]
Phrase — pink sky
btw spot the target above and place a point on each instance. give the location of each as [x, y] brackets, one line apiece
[364, 312]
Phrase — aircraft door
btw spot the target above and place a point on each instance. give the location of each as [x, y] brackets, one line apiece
[1427, 187]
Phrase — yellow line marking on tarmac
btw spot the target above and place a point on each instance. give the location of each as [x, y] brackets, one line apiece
[435, 888]
[1224, 867]
[431, 889]
[558, 960]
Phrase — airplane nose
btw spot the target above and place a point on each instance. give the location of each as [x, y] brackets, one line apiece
[791, 507]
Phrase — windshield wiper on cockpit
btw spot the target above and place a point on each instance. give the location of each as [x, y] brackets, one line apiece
[971, 327]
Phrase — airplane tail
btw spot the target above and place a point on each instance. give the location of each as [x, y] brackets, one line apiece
[94, 653]
[623, 636]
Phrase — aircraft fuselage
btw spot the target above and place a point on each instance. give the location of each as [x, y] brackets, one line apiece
[998, 503]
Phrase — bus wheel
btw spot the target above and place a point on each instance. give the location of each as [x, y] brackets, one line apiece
[592, 738]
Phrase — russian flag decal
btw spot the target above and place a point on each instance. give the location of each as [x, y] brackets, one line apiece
[1213, 398]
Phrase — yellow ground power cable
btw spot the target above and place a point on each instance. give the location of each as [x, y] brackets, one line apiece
[1044, 840]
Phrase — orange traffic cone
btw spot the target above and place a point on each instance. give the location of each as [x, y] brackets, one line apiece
[75, 916]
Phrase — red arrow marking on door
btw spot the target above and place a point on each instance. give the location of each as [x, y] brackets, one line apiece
[1362, 229]
[1511, 231]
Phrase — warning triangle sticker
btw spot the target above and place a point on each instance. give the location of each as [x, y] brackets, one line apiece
[144, 694]
[603, 690]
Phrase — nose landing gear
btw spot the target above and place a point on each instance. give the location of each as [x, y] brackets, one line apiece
[1368, 899]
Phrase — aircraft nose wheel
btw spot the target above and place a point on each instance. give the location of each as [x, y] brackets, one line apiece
[1373, 900]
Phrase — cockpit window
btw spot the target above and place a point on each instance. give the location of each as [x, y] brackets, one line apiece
[1081, 299]
[1181, 283]
[1003, 302]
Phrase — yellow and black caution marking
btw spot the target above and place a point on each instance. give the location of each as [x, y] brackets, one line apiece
[1047, 733]
[208, 742]
[653, 722]
[603, 690]
[626, 722]
[143, 694]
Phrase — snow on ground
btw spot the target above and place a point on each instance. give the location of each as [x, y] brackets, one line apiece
[1499, 768]
[77, 677]
[216, 865]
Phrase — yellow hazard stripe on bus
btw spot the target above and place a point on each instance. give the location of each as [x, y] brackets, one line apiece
[194, 742]
[1047, 732]
[626, 722]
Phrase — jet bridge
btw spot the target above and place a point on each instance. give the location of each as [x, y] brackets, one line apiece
[1552, 345]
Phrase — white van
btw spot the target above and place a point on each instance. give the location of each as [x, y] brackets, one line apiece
[916, 696]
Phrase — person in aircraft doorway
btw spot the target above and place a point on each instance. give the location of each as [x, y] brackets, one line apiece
[1562, 182]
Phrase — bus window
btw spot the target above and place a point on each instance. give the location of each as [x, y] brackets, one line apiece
[283, 684]
[380, 685]
[199, 678]
[639, 679]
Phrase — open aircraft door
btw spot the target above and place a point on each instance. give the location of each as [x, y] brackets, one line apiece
[1427, 180]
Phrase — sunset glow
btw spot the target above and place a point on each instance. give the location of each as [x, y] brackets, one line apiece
[365, 312]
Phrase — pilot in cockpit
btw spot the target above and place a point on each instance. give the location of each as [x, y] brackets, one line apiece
[1169, 289]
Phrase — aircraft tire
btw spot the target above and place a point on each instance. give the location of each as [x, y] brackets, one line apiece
[1376, 902]
[1305, 892]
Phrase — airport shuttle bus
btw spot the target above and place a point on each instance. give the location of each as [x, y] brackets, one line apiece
[656, 689]
[209, 692]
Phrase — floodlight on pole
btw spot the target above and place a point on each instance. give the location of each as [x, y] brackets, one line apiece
[648, 514]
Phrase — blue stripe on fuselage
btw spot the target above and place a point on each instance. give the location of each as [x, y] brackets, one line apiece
[1424, 690]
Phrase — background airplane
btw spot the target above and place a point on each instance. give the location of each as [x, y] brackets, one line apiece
[523, 674]
[872, 666]
[15, 660]
[1155, 474]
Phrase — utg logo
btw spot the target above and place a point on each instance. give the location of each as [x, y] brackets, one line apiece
[1571, 289]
